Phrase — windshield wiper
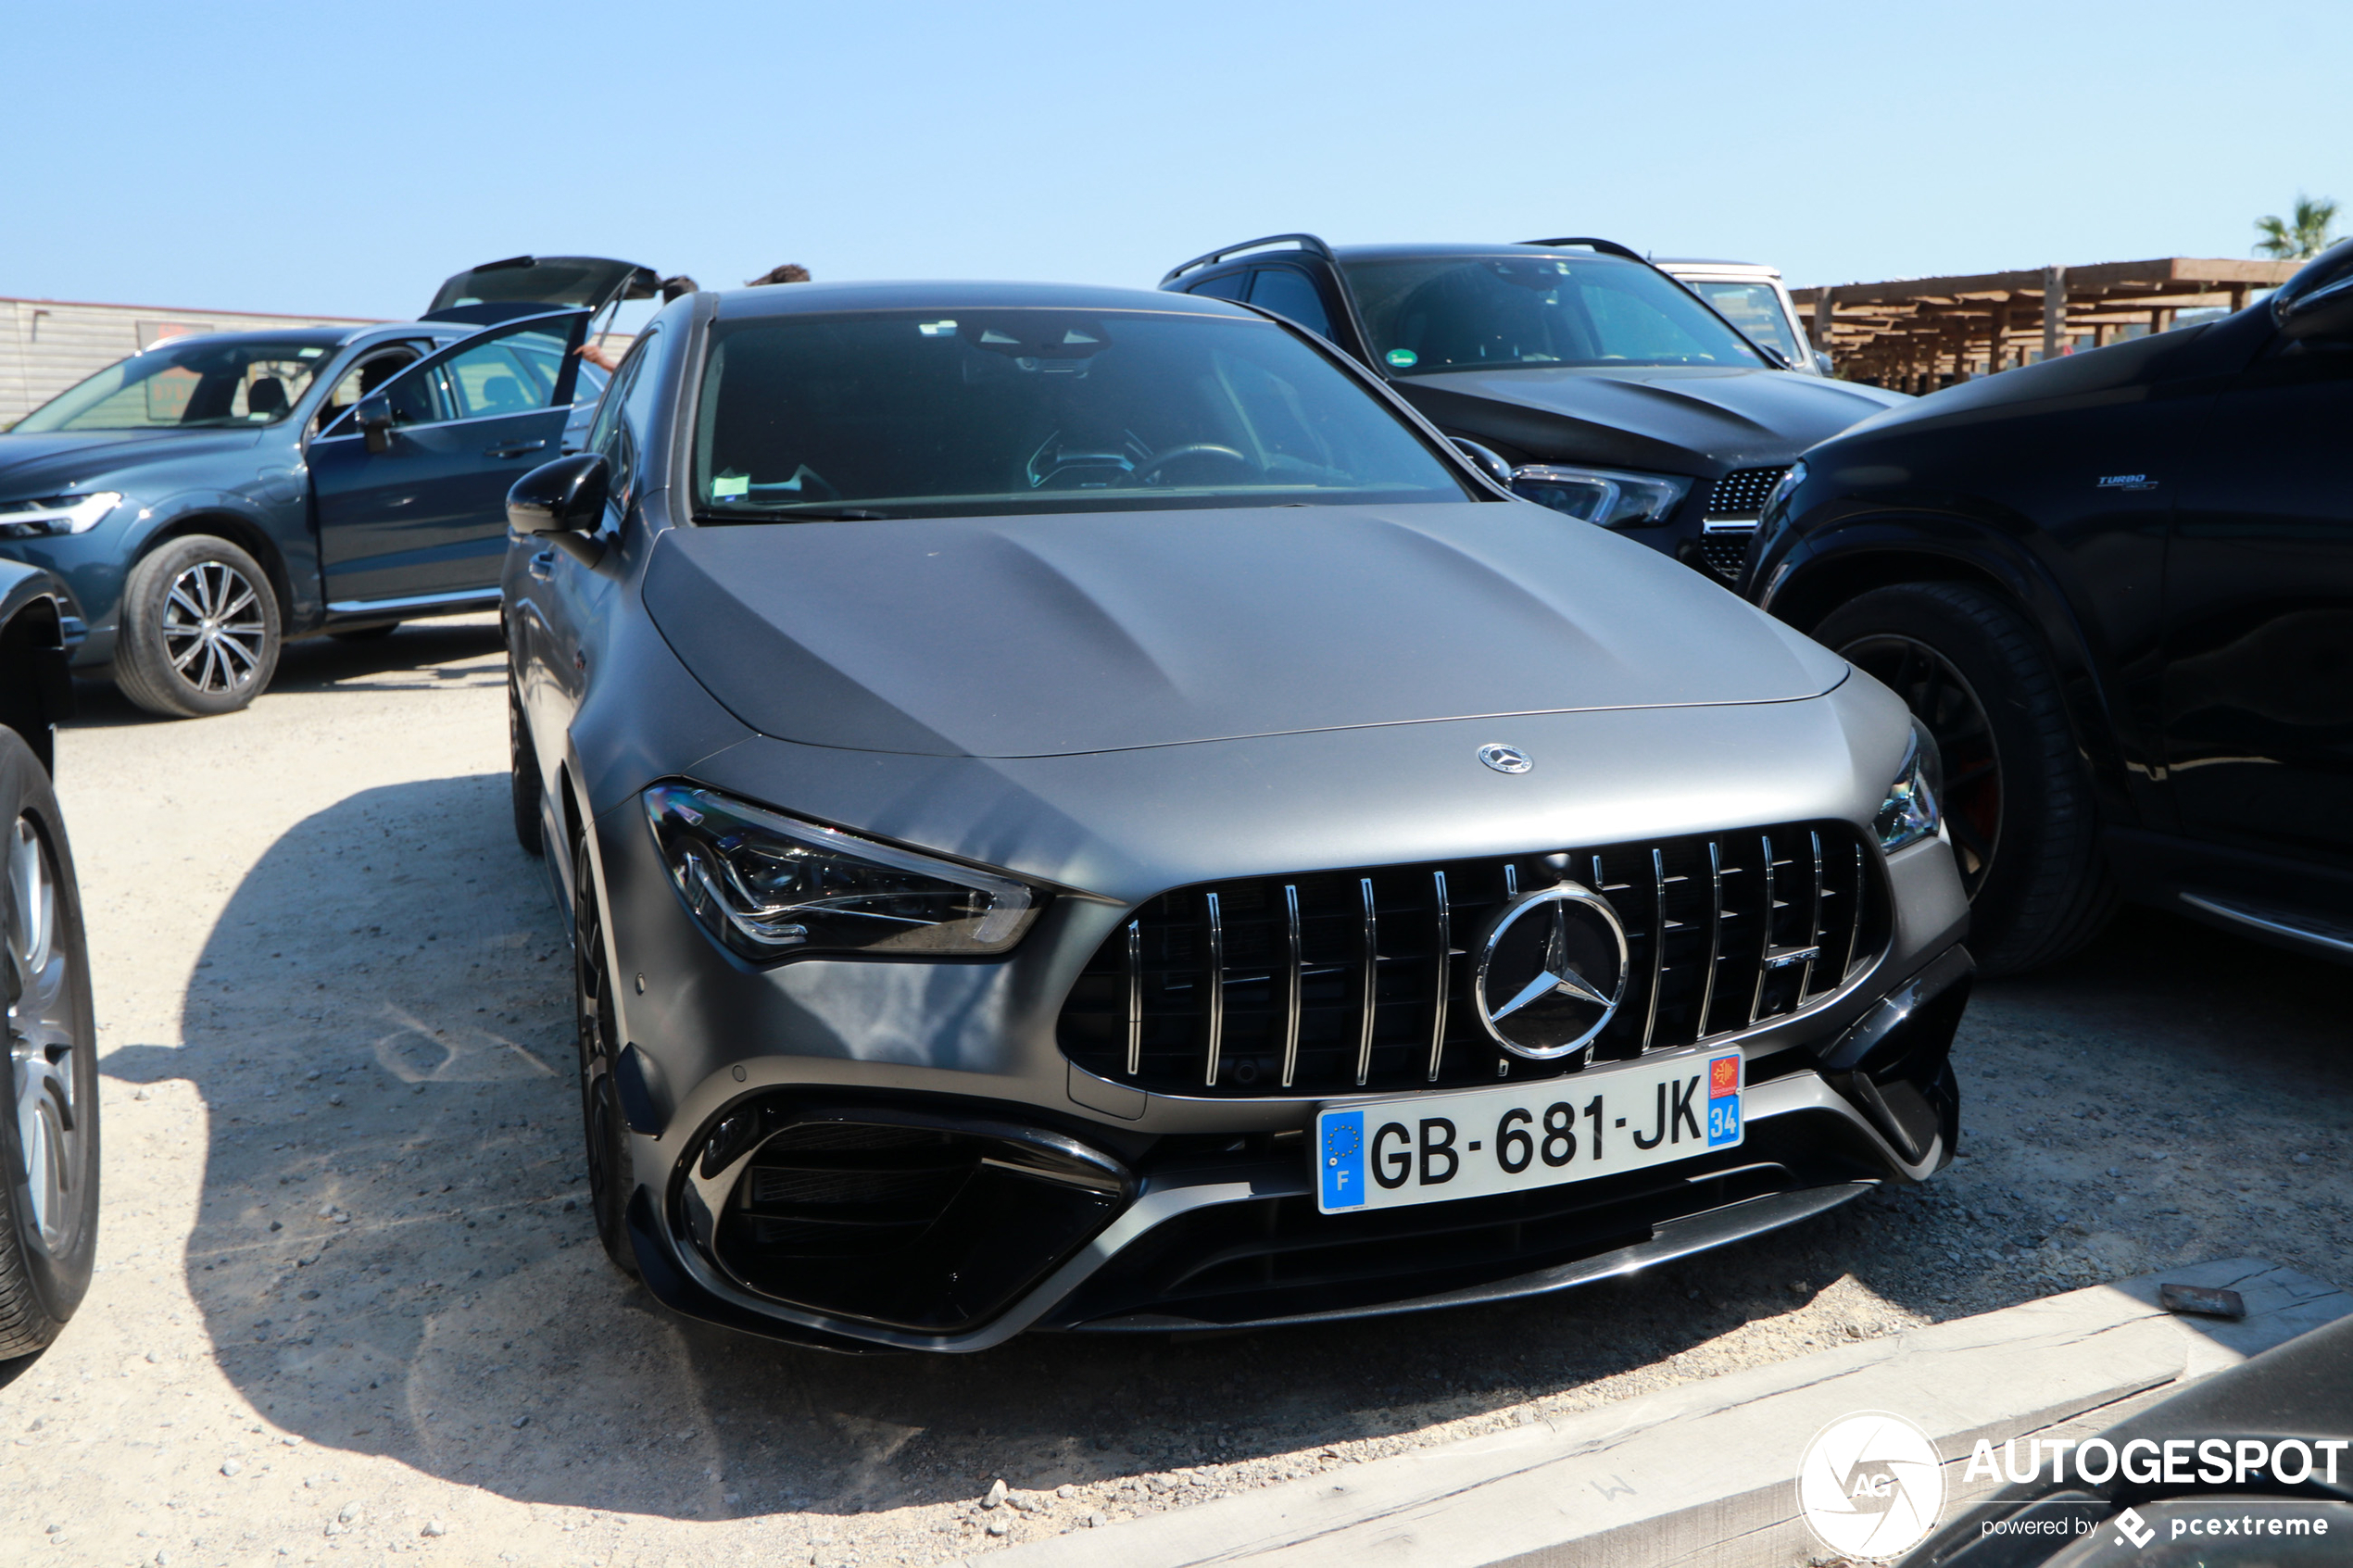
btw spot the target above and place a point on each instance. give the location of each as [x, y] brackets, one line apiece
[796, 514]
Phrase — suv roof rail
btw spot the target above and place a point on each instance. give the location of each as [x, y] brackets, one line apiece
[1607, 248]
[1310, 242]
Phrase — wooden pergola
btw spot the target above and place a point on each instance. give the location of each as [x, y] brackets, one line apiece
[1915, 335]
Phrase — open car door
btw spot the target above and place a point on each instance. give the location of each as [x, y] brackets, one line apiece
[410, 486]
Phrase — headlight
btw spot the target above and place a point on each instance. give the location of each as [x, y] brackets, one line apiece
[1910, 812]
[1780, 492]
[1611, 497]
[58, 514]
[770, 888]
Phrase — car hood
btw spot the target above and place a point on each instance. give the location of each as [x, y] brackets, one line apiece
[44, 462]
[1673, 414]
[1052, 636]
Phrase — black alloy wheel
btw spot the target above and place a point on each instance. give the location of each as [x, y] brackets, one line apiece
[49, 1127]
[1948, 706]
[601, 1121]
[200, 629]
[2018, 799]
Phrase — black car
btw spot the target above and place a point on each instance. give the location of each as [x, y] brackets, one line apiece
[1589, 379]
[2118, 586]
[49, 1126]
[210, 497]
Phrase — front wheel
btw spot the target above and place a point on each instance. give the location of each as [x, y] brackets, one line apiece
[200, 629]
[601, 1125]
[49, 1137]
[2018, 799]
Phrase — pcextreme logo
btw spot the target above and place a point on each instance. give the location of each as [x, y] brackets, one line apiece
[1870, 1485]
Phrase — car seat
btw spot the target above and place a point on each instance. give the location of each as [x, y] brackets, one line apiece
[266, 399]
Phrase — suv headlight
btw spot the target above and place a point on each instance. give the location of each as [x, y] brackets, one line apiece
[1910, 812]
[57, 514]
[1787, 482]
[1611, 497]
[769, 887]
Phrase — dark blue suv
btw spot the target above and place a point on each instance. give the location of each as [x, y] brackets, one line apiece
[210, 497]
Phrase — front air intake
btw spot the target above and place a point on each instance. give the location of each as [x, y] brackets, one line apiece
[912, 1221]
[1337, 982]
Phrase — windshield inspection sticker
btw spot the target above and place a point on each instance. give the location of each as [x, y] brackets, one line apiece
[1403, 359]
[730, 487]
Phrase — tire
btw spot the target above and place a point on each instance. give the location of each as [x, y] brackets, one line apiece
[2017, 802]
[522, 777]
[367, 634]
[49, 1126]
[602, 1129]
[200, 629]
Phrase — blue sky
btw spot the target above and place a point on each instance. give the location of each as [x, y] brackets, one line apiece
[343, 159]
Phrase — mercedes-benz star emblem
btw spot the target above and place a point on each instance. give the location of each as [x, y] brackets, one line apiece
[1504, 759]
[1551, 971]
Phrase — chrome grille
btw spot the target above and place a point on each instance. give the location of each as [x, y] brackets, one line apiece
[1332, 981]
[1741, 494]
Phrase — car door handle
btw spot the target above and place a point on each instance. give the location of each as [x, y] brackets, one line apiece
[542, 564]
[513, 449]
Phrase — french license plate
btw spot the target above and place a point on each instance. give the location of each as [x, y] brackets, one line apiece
[1597, 1123]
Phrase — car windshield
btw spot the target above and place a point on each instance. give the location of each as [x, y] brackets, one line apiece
[1755, 308]
[1451, 313]
[996, 411]
[189, 382]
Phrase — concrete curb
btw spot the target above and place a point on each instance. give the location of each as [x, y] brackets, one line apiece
[1703, 1477]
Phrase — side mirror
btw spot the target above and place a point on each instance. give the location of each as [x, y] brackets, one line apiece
[2325, 312]
[1491, 463]
[1822, 362]
[565, 497]
[374, 418]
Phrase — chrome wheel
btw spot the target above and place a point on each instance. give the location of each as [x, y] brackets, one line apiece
[213, 629]
[1941, 698]
[41, 1033]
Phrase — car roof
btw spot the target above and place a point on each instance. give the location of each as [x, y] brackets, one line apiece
[797, 299]
[1425, 252]
[1670, 263]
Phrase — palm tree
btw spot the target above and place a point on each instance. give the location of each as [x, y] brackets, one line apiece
[2301, 237]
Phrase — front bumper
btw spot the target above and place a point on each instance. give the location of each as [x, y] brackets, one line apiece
[1228, 1237]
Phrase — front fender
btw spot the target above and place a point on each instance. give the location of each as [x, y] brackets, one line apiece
[1847, 548]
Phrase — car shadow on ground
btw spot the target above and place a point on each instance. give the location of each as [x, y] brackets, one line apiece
[420, 655]
[393, 1255]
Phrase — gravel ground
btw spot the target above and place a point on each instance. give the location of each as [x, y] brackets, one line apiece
[350, 1304]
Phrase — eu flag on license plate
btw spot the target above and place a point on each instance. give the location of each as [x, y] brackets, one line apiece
[1341, 1158]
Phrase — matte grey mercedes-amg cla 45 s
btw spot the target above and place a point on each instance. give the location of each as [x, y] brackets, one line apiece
[1079, 809]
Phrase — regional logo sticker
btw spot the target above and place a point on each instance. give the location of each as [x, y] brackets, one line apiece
[1870, 1485]
[1340, 1162]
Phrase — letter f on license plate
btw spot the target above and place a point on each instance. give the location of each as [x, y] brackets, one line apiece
[1341, 1139]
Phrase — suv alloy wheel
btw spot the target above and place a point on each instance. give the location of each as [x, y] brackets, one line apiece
[2018, 799]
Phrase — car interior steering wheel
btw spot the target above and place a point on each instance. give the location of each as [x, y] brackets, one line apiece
[1158, 461]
